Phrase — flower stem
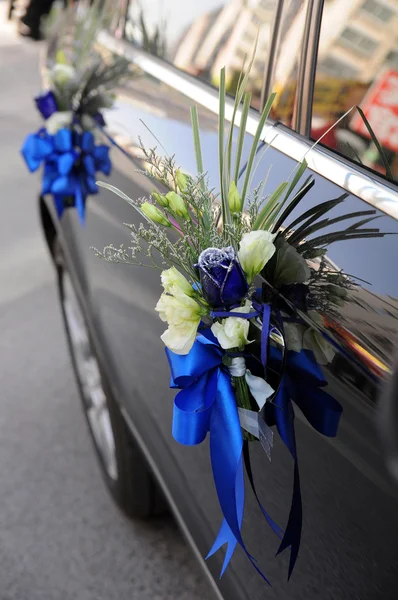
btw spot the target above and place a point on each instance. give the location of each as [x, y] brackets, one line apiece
[243, 400]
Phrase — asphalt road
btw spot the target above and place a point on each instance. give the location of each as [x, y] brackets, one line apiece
[61, 537]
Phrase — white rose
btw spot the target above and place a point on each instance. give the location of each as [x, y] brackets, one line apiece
[255, 250]
[232, 332]
[59, 120]
[182, 315]
[62, 74]
[173, 281]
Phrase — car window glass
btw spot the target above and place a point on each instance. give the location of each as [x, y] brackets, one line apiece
[358, 65]
[288, 50]
[202, 37]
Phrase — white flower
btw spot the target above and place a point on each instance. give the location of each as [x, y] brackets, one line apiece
[255, 250]
[182, 315]
[232, 332]
[180, 339]
[62, 74]
[59, 120]
[173, 281]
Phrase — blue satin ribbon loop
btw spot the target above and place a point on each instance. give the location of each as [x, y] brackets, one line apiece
[71, 161]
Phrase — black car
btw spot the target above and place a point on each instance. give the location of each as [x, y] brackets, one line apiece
[321, 58]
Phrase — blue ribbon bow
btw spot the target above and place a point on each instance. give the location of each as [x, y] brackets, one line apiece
[71, 161]
[206, 403]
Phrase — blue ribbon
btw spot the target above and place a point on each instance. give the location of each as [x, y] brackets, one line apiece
[206, 403]
[71, 161]
[302, 383]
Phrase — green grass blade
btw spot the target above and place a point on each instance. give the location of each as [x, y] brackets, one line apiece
[301, 167]
[124, 196]
[269, 206]
[226, 215]
[376, 143]
[197, 145]
[270, 219]
[242, 83]
[242, 131]
[253, 150]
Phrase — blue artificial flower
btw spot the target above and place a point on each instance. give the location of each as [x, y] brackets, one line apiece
[223, 281]
[46, 104]
[71, 161]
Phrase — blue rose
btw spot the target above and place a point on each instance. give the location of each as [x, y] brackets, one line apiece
[223, 281]
[46, 104]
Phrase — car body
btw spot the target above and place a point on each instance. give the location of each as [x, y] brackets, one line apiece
[350, 528]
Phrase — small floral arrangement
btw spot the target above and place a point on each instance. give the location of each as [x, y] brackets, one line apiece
[233, 263]
[80, 87]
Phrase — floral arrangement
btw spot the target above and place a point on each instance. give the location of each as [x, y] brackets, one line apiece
[234, 263]
[80, 87]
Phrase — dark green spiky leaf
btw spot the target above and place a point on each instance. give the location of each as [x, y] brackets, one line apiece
[308, 184]
[306, 230]
[319, 209]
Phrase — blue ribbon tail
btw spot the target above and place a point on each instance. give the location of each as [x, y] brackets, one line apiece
[79, 201]
[225, 535]
[284, 415]
[226, 445]
[274, 526]
[59, 204]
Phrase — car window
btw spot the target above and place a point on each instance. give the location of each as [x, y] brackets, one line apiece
[202, 37]
[358, 65]
[285, 71]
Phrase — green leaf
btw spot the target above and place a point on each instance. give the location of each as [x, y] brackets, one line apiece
[197, 145]
[226, 215]
[269, 206]
[337, 237]
[319, 209]
[363, 222]
[308, 184]
[305, 230]
[242, 131]
[376, 143]
[300, 170]
[253, 150]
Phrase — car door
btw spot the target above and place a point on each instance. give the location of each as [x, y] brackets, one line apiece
[350, 533]
[350, 527]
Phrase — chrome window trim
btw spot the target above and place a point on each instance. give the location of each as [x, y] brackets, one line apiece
[321, 161]
[307, 68]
